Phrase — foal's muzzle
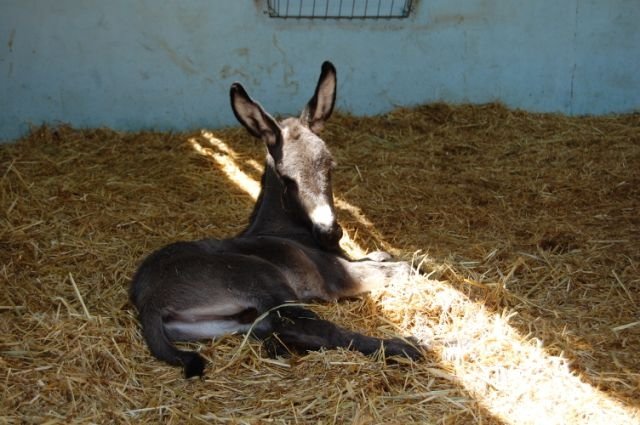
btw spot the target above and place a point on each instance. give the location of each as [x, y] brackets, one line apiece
[328, 236]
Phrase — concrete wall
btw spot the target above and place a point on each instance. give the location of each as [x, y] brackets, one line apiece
[133, 64]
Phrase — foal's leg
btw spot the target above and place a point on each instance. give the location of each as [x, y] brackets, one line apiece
[301, 330]
[377, 256]
[369, 274]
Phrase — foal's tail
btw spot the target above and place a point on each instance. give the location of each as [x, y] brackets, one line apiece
[162, 348]
[141, 295]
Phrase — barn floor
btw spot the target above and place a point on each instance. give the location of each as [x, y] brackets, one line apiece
[526, 228]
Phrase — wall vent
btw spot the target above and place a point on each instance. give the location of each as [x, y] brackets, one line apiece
[339, 9]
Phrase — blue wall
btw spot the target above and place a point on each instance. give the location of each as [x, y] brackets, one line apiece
[132, 64]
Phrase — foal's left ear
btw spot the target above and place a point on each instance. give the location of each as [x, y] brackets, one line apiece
[253, 117]
[319, 108]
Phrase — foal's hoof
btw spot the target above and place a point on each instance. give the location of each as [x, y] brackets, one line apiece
[194, 366]
[399, 347]
[275, 348]
[379, 256]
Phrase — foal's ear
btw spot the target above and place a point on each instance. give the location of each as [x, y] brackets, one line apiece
[319, 108]
[253, 117]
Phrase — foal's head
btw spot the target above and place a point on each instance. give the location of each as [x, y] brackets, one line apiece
[298, 155]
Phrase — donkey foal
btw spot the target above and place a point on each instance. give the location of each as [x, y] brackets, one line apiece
[289, 252]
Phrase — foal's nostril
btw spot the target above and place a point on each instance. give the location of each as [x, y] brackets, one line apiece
[338, 232]
[327, 236]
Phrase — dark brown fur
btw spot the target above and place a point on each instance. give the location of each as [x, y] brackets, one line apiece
[289, 252]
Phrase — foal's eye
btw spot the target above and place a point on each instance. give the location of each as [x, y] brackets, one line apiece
[289, 183]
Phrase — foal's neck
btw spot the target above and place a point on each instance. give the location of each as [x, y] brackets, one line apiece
[270, 215]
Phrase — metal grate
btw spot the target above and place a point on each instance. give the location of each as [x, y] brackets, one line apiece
[339, 9]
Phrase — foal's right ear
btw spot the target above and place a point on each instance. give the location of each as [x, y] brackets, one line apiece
[320, 106]
[253, 117]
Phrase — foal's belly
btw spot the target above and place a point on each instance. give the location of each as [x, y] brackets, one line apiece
[306, 271]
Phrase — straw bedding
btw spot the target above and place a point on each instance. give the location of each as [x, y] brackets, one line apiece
[526, 227]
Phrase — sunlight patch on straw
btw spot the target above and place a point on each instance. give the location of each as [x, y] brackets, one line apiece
[514, 378]
[224, 156]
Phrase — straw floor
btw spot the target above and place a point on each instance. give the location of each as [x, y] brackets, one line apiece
[526, 228]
